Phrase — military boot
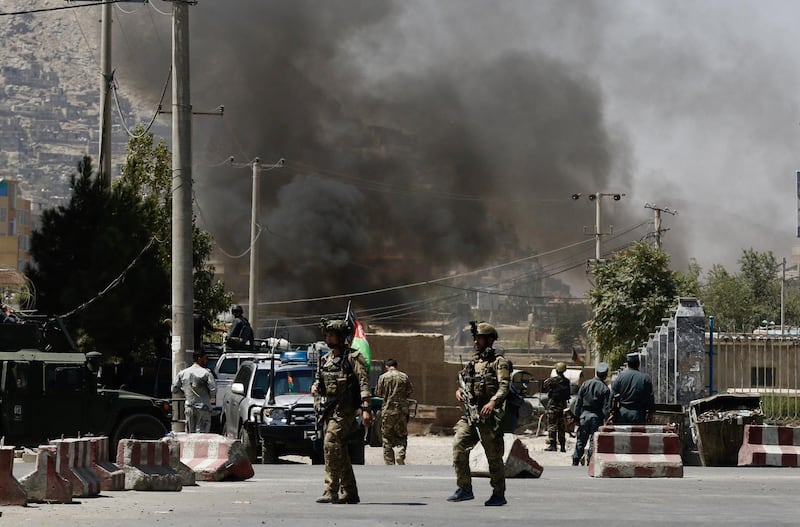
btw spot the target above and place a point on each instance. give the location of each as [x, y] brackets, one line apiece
[495, 501]
[563, 448]
[328, 497]
[551, 448]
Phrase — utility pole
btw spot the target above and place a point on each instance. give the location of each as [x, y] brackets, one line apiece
[657, 221]
[182, 291]
[596, 197]
[783, 296]
[254, 235]
[105, 89]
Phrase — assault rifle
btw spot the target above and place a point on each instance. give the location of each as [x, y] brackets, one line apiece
[614, 413]
[471, 411]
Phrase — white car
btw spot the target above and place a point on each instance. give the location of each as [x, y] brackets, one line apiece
[243, 401]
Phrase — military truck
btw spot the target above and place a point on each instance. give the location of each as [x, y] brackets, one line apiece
[49, 390]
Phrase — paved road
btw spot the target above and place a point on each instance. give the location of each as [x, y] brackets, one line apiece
[415, 496]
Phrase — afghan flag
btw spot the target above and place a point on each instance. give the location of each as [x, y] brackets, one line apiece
[360, 343]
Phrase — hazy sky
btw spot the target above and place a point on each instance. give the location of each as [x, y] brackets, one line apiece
[393, 116]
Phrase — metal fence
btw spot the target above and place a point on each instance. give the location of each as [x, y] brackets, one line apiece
[766, 365]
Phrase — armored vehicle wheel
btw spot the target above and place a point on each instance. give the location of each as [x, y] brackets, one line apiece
[137, 426]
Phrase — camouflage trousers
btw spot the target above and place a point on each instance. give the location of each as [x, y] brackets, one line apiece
[338, 468]
[394, 433]
[467, 436]
[197, 420]
[556, 428]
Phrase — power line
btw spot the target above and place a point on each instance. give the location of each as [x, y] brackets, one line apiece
[46, 9]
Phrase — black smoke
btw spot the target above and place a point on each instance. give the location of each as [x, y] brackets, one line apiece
[388, 179]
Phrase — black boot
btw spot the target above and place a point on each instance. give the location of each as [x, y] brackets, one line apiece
[551, 448]
[562, 448]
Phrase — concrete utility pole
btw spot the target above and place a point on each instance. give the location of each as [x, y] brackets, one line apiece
[657, 221]
[596, 197]
[105, 89]
[182, 292]
[254, 235]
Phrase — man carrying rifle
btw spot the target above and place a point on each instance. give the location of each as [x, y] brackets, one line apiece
[483, 390]
[343, 383]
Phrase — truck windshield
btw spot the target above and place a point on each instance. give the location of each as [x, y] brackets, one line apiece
[293, 381]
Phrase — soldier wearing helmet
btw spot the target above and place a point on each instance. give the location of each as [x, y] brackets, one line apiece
[342, 385]
[557, 388]
[483, 387]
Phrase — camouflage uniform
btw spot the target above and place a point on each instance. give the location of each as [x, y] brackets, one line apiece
[339, 418]
[395, 388]
[486, 379]
[197, 384]
[557, 387]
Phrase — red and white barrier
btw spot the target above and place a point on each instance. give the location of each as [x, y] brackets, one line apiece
[641, 429]
[11, 492]
[146, 465]
[72, 462]
[770, 446]
[516, 460]
[636, 455]
[111, 476]
[45, 484]
[187, 475]
[213, 457]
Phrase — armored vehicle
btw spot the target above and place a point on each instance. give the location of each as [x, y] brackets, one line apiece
[49, 390]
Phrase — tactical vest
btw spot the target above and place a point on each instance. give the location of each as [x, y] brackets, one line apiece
[483, 380]
[339, 382]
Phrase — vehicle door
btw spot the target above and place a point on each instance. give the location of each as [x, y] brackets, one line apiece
[68, 395]
[20, 391]
[232, 401]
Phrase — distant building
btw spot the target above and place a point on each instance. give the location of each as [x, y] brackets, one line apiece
[15, 226]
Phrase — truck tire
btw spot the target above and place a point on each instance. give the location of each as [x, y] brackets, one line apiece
[137, 426]
[249, 443]
[269, 454]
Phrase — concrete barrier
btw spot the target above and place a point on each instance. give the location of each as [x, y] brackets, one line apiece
[72, 462]
[516, 460]
[213, 457]
[11, 492]
[111, 476]
[641, 429]
[770, 446]
[45, 484]
[187, 475]
[146, 465]
[636, 455]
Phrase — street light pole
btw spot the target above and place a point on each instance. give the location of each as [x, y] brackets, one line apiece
[596, 197]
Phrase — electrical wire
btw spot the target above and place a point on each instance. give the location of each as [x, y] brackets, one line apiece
[47, 9]
[151, 4]
[132, 135]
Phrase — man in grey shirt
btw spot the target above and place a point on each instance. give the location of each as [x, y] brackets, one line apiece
[198, 385]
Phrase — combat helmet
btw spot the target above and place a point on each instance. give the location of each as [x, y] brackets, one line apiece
[338, 326]
[484, 328]
[561, 367]
[237, 309]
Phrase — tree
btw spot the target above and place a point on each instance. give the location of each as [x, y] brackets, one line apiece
[569, 328]
[104, 259]
[633, 290]
[95, 263]
[725, 297]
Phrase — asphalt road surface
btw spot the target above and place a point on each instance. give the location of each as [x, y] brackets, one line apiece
[415, 496]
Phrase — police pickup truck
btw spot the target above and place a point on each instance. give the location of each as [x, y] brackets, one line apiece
[287, 421]
[48, 390]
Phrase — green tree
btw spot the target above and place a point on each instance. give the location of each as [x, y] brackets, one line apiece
[633, 290]
[759, 275]
[569, 327]
[95, 262]
[104, 258]
[688, 283]
[726, 298]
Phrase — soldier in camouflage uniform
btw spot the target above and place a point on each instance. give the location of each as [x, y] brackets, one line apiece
[485, 388]
[557, 389]
[343, 385]
[395, 388]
